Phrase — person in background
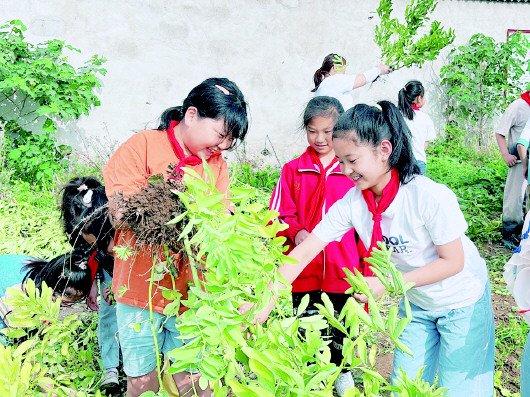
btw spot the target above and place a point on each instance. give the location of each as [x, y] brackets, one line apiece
[411, 99]
[309, 185]
[86, 222]
[332, 80]
[508, 133]
[68, 275]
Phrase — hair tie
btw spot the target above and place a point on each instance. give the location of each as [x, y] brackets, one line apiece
[222, 89]
[87, 198]
[81, 188]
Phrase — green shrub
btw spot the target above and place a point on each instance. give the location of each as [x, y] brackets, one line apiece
[481, 78]
[39, 87]
[477, 178]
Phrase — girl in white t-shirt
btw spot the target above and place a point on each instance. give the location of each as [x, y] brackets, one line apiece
[331, 80]
[452, 331]
[411, 99]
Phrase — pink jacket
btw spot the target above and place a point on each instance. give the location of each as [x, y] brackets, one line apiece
[298, 181]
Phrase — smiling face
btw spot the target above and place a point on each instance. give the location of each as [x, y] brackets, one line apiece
[204, 136]
[319, 134]
[364, 164]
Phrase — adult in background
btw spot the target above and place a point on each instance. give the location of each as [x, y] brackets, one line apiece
[508, 133]
[332, 80]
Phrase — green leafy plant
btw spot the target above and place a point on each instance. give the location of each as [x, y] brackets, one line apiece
[39, 87]
[238, 255]
[30, 221]
[481, 79]
[54, 357]
[477, 178]
[399, 42]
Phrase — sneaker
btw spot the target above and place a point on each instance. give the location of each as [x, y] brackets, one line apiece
[110, 383]
[344, 382]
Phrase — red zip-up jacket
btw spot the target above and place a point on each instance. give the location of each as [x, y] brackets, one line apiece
[294, 190]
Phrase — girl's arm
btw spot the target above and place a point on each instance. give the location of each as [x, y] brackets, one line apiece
[303, 253]
[450, 262]
[370, 75]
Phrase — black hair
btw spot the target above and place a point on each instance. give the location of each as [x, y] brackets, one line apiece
[69, 270]
[215, 98]
[322, 106]
[323, 71]
[408, 95]
[84, 209]
[368, 124]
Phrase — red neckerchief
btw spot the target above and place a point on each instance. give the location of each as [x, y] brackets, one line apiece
[388, 195]
[313, 209]
[526, 97]
[415, 106]
[184, 160]
[93, 265]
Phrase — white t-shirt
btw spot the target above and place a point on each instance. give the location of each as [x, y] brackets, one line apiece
[424, 214]
[338, 86]
[422, 129]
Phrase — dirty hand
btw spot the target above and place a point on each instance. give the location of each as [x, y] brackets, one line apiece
[92, 298]
[376, 287]
[510, 159]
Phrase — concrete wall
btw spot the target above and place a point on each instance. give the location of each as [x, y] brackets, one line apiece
[158, 50]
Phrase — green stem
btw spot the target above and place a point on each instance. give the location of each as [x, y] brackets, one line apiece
[153, 329]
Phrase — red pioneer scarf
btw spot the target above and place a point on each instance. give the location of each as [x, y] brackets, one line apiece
[526, 97]
[93, 265]
[313, 209]
[177, 149]
[377, 209]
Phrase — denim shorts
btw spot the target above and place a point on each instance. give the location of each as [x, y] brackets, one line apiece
[456, 346]
[136, 338]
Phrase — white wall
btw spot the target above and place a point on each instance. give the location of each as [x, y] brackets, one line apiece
[158, 50]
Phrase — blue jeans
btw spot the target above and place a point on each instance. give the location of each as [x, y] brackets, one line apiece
[525, 369]
[455, 345]
[108, 328]
[137, 341]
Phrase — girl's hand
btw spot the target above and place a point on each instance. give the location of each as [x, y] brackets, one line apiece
[260, 317]
[384, 69]
[300, 236]
[92, 298]
[376, 287]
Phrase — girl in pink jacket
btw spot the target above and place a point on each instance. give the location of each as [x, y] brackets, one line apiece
[309, 185]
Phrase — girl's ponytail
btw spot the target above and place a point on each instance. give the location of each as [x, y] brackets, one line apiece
[328, 64]
[69, 270]
[171, 114]
[408, 95]
[402, 157]
[318, 77]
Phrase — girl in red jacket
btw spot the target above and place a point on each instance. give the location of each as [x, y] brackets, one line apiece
[307, 188]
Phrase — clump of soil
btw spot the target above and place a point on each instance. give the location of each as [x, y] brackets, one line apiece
[147, 212]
